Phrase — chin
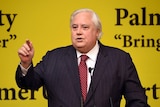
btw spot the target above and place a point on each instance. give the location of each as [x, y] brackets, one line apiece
[81, 49]
[80, 46]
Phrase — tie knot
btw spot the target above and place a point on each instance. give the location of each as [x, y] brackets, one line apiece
[84, 57]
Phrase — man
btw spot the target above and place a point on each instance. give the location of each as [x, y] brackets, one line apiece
[110, 71]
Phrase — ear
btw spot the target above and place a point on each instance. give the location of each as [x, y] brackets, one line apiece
[98, 34]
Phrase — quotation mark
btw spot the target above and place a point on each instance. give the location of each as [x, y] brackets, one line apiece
[117, 36]
[4, 42]
[13, 36]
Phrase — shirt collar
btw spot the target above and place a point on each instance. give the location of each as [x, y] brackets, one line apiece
[92, 54]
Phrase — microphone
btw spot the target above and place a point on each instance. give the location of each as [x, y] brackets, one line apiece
[111, 103]
[91, 84]
[90, 71]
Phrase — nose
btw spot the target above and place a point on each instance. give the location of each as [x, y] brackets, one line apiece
[79, 31]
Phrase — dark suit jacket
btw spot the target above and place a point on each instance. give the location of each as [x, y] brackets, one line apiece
[114, 75]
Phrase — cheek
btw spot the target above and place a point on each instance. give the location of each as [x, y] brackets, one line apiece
[73, 38]
[91, 35]
[72, 34]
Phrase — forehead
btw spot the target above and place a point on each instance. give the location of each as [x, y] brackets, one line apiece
[83, 17]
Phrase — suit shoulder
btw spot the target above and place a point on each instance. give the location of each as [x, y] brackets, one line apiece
[117, 54]
[61, 49]
[114, 50]
[57, 53]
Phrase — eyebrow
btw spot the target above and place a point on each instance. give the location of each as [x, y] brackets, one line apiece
[80, 25]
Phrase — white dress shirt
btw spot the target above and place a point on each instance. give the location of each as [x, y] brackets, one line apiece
[91, 61]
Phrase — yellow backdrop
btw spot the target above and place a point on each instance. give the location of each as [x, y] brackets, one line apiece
[132, 25]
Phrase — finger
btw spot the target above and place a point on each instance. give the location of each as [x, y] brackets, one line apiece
[29, 43]
[25, 47]
[23, 51]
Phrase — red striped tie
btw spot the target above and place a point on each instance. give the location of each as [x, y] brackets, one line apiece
[83, 75]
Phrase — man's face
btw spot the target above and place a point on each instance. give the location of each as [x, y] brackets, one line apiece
[84, 33]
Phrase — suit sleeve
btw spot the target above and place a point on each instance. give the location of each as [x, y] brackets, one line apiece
[134, 93]
[30, 81]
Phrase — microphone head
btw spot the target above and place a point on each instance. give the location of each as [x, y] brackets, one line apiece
[90, 69]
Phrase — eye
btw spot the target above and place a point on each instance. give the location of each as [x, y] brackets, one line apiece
[74, 27]
[85, 27]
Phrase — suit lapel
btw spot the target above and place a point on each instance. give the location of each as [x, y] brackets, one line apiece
[72, 68]
[102, 61]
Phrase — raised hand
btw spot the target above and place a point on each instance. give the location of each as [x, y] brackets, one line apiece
[26, 53]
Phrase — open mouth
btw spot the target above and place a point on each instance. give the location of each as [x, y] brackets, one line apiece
[79, 39]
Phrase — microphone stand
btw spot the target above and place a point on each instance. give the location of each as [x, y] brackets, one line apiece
[91, 84]
[111, 103]
[82, 102]
[91, 74]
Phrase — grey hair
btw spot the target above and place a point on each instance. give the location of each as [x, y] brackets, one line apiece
[95, 19]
